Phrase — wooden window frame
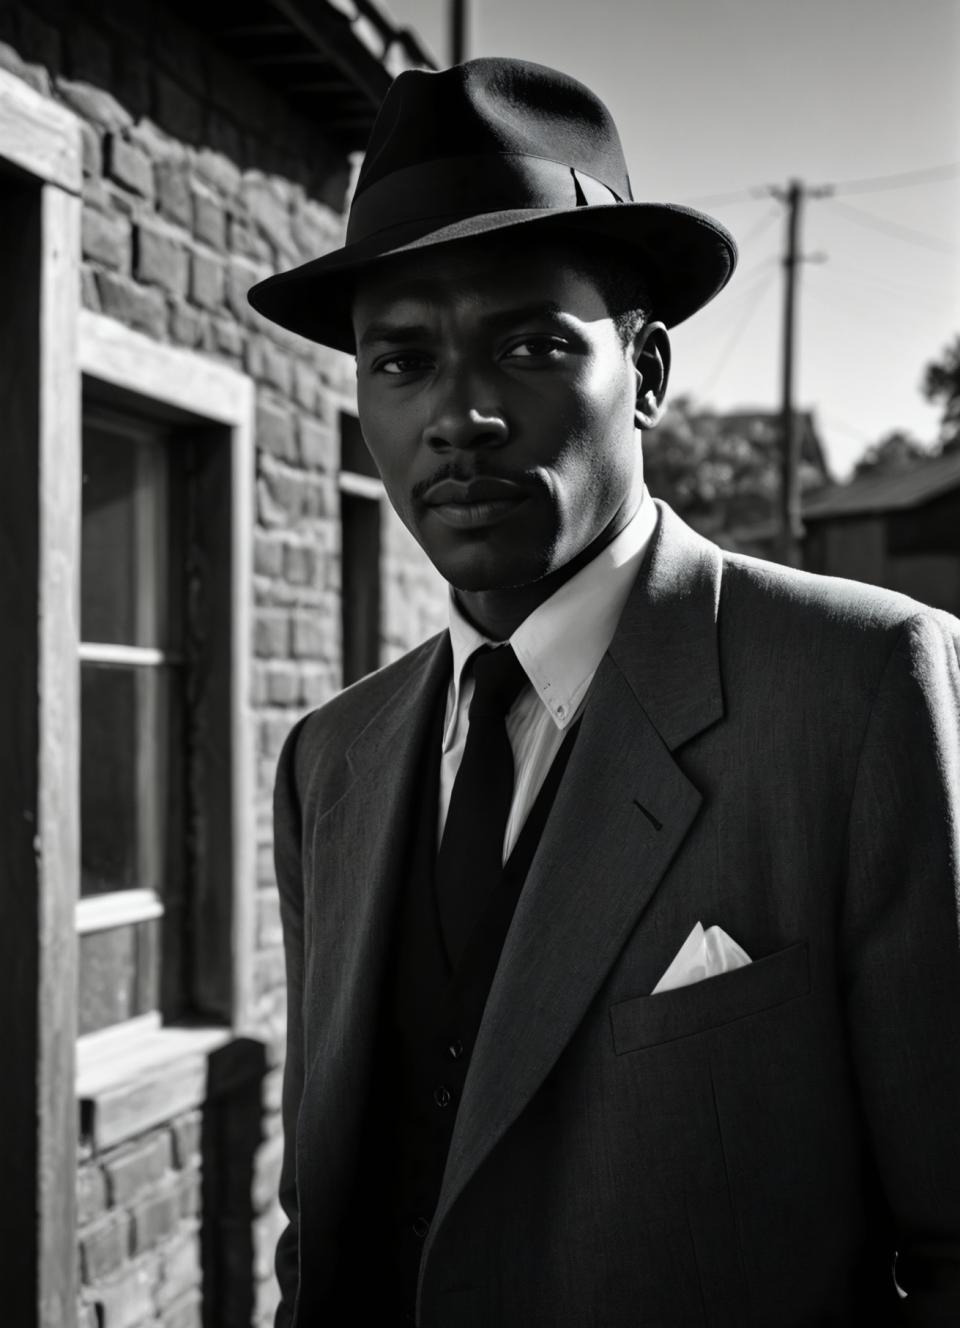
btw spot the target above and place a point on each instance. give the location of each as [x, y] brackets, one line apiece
[46, 343]
[41, 168]
[122, 366]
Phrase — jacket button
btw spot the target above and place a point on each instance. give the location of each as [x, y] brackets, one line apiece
[442, 1096]
[455, 1049]
[420, 1227]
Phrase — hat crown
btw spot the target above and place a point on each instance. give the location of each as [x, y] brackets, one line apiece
[494, 106]
[496, 146]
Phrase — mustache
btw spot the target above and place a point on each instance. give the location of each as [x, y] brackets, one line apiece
[462, 476]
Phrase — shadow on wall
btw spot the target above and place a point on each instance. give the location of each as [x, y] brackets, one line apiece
[116, 63]
[237, 1195]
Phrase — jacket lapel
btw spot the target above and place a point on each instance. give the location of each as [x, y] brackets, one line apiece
[358, 860]
[622, 812]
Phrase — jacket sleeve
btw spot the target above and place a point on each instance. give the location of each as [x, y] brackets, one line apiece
[287, 839]
[901, 959]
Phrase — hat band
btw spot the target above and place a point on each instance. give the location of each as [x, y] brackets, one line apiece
[485, 182]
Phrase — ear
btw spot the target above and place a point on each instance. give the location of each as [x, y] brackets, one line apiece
[651, 360]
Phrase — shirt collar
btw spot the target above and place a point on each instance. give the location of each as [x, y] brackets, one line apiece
[560, 644]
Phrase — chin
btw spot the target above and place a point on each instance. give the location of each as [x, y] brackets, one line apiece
[477, 575]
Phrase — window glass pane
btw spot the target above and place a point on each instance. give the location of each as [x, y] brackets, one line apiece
[127, 531]
[130, 778]
[354, 453]
[119, 974]
[360, 585]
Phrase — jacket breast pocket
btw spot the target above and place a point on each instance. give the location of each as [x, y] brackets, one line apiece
[647, 1021]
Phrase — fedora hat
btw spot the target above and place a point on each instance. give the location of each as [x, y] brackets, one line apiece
[489, 146]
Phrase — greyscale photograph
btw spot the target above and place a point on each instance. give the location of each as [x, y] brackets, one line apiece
[480, 664]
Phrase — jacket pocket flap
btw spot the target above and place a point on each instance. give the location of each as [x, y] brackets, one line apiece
[645, 1021]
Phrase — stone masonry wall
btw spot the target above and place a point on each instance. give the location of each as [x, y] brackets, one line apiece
[139, 1220]
[198, 182]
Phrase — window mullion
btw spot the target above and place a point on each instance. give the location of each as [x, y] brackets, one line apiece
[99, 652]
[117, 908]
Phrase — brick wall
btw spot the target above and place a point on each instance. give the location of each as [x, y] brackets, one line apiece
[139, 1230]
[415, 597]
[198, 182]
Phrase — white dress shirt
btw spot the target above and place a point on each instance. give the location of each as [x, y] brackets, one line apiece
[560, 646]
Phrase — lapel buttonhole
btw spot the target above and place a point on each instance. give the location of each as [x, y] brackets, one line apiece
[657, 825]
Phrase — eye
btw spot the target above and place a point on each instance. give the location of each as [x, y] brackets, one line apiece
[396, 365]
[538, 348]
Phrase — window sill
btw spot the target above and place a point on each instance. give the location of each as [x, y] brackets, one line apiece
[133, 1078]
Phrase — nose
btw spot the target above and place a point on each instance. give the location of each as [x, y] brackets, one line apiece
[462, 419]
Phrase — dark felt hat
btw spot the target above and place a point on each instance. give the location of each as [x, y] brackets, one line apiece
[485, 146]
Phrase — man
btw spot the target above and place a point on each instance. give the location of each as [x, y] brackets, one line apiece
[621, 919]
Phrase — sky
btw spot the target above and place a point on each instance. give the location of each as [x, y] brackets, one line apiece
[717, 101]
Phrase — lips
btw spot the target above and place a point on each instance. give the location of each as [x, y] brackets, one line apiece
[466, 493]
[472, 504]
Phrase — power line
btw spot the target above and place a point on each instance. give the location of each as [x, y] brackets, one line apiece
[758, 291]
[737, 294]
[863, 319]
[834, 422]
[866, 185]
[864, 218]
[905, 294]
[717, 200]
[902, 180]
[748, 276]
[764, 223]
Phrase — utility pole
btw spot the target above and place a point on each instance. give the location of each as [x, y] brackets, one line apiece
[459, 31]
[791, 523]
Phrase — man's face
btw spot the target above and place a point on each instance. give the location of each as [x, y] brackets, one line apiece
[498, 402]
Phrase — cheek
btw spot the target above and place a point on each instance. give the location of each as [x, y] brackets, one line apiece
[611, 393]
[600, 449]
[384, 434]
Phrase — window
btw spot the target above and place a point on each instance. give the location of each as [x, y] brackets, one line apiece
[166, 879]
[133, 786]
[361, 491]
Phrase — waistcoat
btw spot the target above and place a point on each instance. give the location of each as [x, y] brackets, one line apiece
[429, 1018]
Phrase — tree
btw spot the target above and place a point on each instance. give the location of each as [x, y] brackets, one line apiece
[895, 452]
[720, 472]
[941, 383]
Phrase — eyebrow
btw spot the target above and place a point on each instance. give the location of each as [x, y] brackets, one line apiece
[402, 334]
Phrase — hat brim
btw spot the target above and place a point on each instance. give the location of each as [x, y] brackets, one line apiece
[685, 256]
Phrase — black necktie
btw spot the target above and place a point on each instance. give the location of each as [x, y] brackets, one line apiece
[470, 861]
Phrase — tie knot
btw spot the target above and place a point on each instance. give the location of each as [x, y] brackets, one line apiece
[499, 678]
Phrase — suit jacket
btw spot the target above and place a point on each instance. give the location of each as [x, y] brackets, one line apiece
[770, 751]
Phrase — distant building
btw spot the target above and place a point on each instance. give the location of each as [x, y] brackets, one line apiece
[195, 550]
[899, 530]
[721, 471]
[764, 426]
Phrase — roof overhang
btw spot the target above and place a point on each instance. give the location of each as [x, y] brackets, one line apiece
[332, 60]
[899, 491]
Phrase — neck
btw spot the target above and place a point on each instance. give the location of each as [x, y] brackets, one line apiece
[498, 613]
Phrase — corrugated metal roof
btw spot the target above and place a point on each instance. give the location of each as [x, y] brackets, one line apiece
[896, 492]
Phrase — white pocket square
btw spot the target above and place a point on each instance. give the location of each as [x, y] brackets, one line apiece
[703, 954]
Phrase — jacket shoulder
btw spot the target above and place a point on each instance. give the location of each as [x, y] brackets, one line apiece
[323, 736]
[803, 628]
[850, 606]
